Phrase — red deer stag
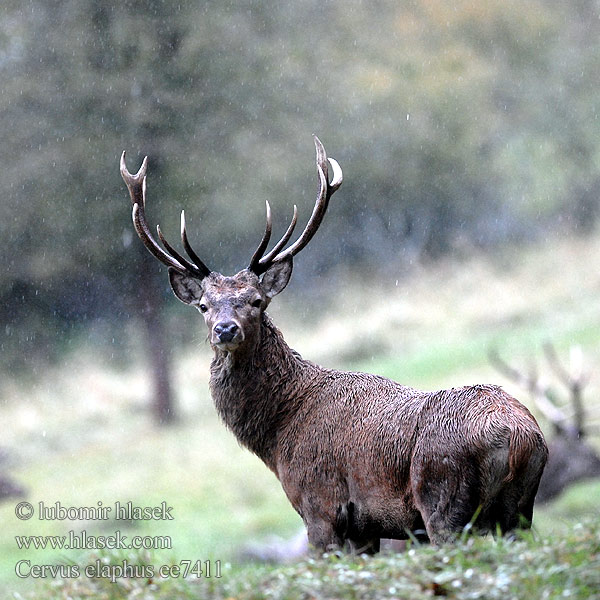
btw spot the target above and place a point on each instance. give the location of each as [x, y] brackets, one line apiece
[360, 457]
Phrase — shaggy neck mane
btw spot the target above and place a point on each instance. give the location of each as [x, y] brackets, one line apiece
[259, 390]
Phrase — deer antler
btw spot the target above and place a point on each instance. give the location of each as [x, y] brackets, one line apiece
[259, 263]
[574, 378]
[539, 392]
[136, 184]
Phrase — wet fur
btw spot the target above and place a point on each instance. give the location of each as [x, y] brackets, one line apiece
[361, 457]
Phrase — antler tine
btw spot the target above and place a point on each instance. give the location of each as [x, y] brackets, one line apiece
[192, 268]
[283, 241]
[186, 244]
[254, 261]
[141, 227]
[510, 372]
[136, 184]
[574, 379]
[532, 384]
[325, 192]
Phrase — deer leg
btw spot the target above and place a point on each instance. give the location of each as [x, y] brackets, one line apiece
[526, 510]
[322, 535]
[447, 504]
[512, 509]
[351, 529]
[528, 497]
[502, 515]
[364, 546]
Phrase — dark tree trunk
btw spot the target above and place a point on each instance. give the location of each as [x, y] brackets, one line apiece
[157, 346]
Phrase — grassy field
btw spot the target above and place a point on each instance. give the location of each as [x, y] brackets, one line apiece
[551, 567]
[80, 434]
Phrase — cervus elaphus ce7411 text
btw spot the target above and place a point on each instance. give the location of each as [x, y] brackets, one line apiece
[360, 457]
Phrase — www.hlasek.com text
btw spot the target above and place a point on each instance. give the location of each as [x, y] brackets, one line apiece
[84, 541]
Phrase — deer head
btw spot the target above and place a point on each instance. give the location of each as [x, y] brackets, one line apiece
[231, 306]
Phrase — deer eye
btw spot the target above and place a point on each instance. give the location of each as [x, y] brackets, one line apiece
[256, 303]
[203, 308]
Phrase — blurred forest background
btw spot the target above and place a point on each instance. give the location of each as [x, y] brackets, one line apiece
[469, 137]
[458, 125]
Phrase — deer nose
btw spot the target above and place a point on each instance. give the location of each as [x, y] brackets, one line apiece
[226, 330]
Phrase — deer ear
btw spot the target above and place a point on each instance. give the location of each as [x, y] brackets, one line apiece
[186, 288]
[276, 277]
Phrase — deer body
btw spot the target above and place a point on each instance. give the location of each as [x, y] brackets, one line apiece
[360, 457]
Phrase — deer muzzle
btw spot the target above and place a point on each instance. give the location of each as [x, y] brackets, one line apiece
[226, 334]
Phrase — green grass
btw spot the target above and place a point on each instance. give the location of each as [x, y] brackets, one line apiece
[576, 504]
[221, 495]
[530, 567]
[81, 433]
